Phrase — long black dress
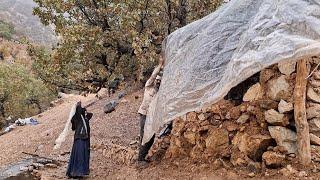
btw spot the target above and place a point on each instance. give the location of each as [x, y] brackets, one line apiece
[80, 154]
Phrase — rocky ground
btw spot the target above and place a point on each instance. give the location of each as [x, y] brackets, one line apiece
[252, 140]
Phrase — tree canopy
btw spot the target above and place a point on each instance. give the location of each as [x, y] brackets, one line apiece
[100, 40]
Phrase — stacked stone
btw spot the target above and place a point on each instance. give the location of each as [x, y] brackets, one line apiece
[261, 129]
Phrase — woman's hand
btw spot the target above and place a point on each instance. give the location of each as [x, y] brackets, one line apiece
[161, 61]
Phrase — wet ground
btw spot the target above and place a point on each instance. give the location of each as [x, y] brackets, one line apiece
[13, 171]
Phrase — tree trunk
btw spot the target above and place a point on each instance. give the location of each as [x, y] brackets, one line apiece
[303, 137]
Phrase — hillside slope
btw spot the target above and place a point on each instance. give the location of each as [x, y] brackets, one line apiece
[19, 14]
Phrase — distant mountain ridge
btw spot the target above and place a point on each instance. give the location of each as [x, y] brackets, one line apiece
[19, 14]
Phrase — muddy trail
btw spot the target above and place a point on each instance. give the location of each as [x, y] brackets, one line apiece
[113, 146]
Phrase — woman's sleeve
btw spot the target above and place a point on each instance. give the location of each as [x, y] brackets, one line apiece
[73, 122]
[89, 116]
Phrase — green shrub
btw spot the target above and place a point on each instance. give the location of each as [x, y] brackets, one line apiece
[21, 95]
[6, 30]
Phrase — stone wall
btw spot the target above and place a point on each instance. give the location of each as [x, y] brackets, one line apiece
[259, 130]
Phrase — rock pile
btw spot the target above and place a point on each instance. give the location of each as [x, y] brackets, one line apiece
[259, 130]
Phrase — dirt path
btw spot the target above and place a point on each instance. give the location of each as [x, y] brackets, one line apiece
[112, 156]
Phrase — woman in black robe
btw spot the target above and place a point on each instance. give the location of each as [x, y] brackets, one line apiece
[80, 154]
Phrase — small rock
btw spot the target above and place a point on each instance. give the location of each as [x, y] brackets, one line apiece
[284, 107]
[121, 95]
[217, 117]
[315, 140]
[315, 153]
[133, 142]
[275, 118]
[316, 75]
[110, 106]
[192, 117]
[196, 152]
[217, 164]
[40, 147]
[284, 137]
[232, 127]
[201, 117]
[287, 67]
[190, 137]
[37, 165]
[315, 60]
[292, 155]
[268, 104]
[233, 113]
[44, 161]
[266, 74]
[273, 159]
[217, 140]
[312, 95]
[313, 111]
[287, 171]
[51, 165]
[255, 92]
[302, 174]
[243, 108]
[23, 168]
[102, 93]
[280, 149]
[254, 167]
[243, 118]
[204, 116]
[315, 170]
[251, 174]
[124, 101]
[30, 168]
[314, 83]
[270, 148]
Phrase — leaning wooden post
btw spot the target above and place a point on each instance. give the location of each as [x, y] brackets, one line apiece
[303, 137]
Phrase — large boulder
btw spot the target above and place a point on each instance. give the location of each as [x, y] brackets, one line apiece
[285, 138]
[255, 92]
[275, 118]
[284, 107]
[287, 67]
[279, 88]
[252, 146]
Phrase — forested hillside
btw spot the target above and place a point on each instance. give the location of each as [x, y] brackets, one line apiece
[18, 13]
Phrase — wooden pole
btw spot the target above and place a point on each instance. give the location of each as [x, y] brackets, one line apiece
[303, 137]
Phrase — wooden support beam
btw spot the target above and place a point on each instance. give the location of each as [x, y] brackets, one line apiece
[303, 137]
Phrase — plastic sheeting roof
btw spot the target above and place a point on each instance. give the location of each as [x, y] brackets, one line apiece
[208, 57]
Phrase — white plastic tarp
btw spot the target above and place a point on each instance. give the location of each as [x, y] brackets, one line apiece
[208, 57]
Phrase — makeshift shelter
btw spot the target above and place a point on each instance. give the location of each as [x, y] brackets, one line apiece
[208, 57]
